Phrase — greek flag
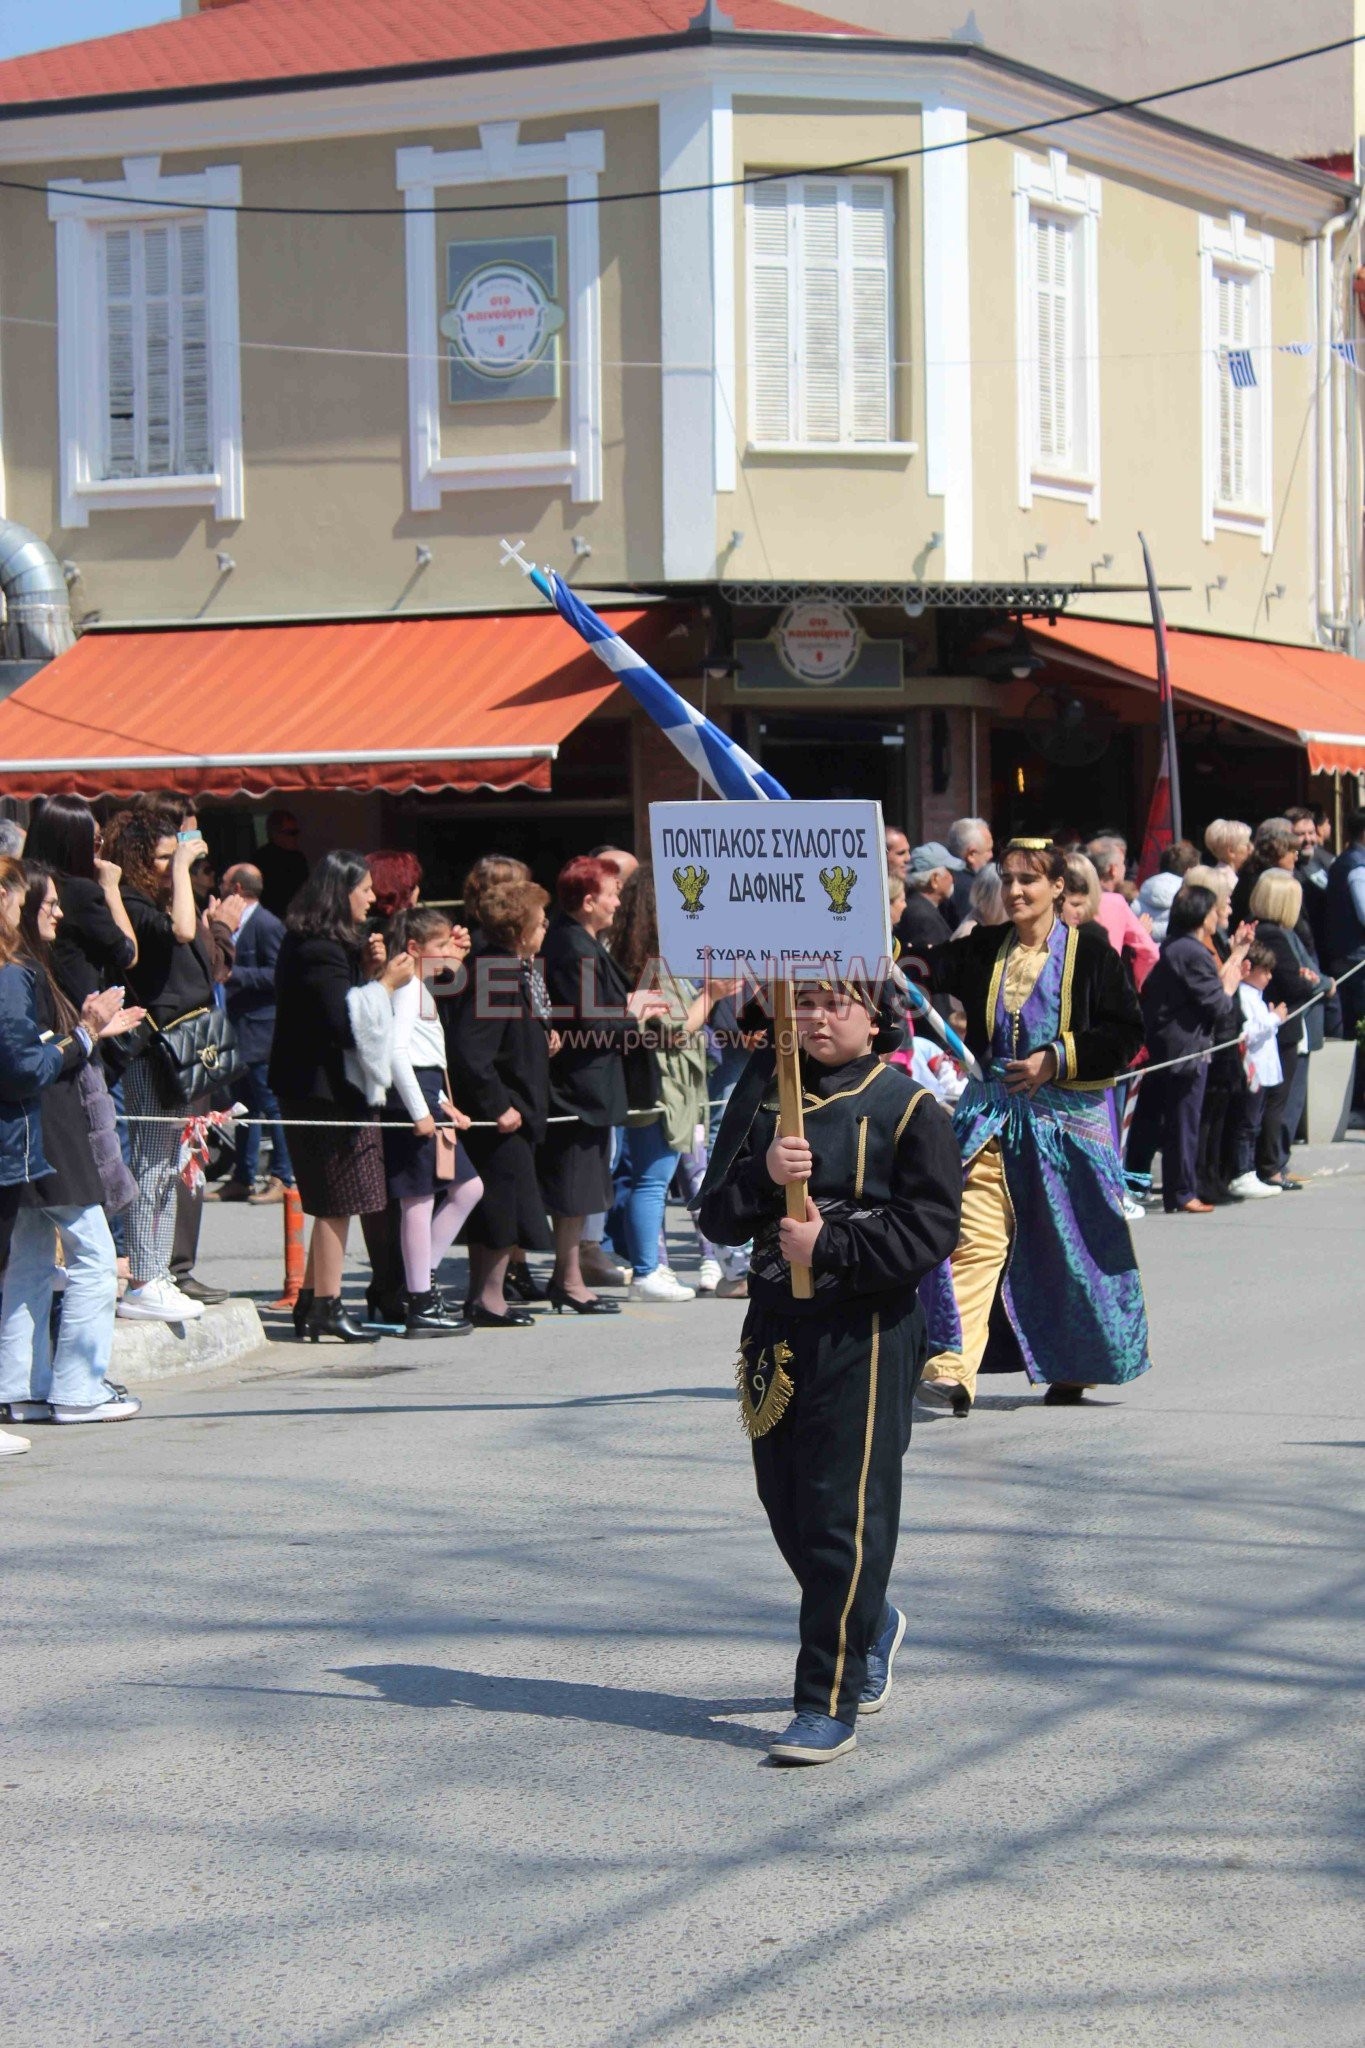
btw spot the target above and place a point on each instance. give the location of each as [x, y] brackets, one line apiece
[719, 760]
[1241, 369]
[1296, 348]
[1349, 351]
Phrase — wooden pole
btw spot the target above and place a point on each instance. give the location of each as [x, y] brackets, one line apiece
[791, 1121]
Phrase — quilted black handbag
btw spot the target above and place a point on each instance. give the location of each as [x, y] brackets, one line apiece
[196, 1055]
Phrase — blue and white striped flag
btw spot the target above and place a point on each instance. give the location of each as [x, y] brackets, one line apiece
[719, 760]
[1296, 348]
[1349, 351]
[1241, 369]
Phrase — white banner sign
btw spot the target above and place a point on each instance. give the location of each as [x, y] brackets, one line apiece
[775, 888]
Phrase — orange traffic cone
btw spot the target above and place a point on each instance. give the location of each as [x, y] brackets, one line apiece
[293, 1249]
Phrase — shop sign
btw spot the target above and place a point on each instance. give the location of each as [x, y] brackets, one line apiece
[769, 888]
[502, 320]
[818, 643]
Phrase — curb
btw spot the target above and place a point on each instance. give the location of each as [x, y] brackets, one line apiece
[160, 1351]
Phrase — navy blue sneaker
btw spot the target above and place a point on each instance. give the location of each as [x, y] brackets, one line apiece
[882, 1655]
[813, 1739]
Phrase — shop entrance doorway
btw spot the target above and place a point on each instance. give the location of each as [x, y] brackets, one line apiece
[835, 757]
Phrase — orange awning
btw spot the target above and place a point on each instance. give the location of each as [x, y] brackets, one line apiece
[1308, 696]
[464, 703]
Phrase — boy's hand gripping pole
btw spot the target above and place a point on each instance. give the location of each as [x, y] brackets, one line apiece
[793, 1123]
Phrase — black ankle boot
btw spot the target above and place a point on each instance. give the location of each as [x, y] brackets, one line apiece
[385, 1308]
[519, 1284]
[428, 1315]
[327, 1318]
[301, 1308]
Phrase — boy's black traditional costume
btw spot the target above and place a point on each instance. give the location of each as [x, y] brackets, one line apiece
[826, 1384]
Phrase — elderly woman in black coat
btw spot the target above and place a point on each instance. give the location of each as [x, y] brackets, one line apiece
[330, 1068]
[1189, 1002]
[598, 1016]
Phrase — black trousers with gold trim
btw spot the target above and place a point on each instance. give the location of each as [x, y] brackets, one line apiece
[829, 1476]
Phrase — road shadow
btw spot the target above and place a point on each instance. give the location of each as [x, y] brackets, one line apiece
[436, 1686]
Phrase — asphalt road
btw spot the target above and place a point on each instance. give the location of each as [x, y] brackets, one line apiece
[419, 1696]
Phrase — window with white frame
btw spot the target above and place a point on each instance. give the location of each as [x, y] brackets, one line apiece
[1236, 266]
[147, 341]
[821, 313]
[156, 366]
[1237, 482]
[1057, 292]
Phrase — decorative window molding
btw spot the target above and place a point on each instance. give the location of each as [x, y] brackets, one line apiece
[579, 159]
[200, 332]
[1057, 312]
[1235, 269]
[821, 315]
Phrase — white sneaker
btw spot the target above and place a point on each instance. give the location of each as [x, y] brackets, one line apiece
[11, 1445]
[1132, 1210]
[1249, 1187]
[118, 1405]
[709, 1276]
[661, 1285]
[159, 1301]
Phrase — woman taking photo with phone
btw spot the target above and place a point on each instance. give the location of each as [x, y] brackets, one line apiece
[172, 978]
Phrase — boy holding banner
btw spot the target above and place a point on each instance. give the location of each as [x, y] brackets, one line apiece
[826, 1381]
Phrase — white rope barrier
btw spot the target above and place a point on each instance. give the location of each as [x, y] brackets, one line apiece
[1207, 1052]
[394, 1123]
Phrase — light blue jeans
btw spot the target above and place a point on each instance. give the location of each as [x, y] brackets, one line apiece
[643, 1172]
[28, 1369]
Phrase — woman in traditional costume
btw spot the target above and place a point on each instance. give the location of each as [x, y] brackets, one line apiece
[1044, 1280]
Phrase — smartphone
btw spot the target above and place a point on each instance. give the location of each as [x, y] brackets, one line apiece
[189, 835]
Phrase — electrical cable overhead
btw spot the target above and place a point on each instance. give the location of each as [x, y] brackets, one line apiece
[652, 192]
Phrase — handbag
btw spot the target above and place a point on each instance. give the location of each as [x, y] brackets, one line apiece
[196, 1055]
[444, 1168]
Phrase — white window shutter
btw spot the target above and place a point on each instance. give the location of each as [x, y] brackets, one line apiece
[120, 402]
[158, 398]
[820, 322]
[1233, 297]
[1053, 272]
[870, 310]
[195, 458]
[770, 286]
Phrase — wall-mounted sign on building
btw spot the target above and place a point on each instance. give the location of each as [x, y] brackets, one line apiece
[818, 644]
[502, 321]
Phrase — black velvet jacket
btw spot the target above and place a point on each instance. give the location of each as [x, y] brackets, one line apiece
[887, 1179]
[1101, 1023]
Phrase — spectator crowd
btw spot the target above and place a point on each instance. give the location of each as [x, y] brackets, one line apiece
[525, 1077]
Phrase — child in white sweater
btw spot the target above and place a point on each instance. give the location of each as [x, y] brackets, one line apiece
[419, 1091]
[1261, 1068]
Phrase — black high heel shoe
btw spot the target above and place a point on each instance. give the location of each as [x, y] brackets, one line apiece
[487, 1319]
[519, 1283]
[559, 1301]
[327, 1318]
[301, 1310]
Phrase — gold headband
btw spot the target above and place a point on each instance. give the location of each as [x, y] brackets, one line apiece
[1031, 845]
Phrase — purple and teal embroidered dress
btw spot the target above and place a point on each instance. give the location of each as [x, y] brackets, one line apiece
[1070, 1304]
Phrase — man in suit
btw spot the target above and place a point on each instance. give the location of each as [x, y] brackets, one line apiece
[251, 1006]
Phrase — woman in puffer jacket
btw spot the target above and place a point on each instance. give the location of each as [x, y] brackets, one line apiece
[44, 1152]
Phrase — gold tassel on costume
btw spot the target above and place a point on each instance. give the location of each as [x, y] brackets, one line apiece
[765, 1387]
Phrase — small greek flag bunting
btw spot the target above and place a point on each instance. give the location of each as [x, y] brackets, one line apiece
[719, 760]
[1349, 352]
[1241, 369]
[1295, 348]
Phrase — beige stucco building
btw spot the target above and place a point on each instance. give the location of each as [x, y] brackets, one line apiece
[296, 327]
